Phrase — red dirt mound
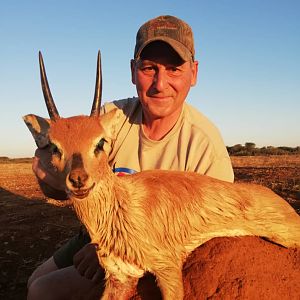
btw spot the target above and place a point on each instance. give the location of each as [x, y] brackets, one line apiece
[236, 268]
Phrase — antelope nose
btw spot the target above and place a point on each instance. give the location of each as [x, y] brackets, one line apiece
[78, 178]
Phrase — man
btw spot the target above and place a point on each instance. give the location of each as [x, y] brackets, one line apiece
[158, 131]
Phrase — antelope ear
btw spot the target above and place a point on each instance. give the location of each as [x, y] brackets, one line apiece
[110, 122]
[39, 128]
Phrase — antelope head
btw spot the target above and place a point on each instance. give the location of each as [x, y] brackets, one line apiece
[78, 145]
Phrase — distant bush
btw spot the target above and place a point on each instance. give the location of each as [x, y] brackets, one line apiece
[4, 158]
[7, 160]
[250, 149]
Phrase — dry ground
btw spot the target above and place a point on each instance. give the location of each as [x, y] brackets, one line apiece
[32, 227]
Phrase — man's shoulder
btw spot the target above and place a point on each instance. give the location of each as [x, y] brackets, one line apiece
[203, 128]
[199, 121]
[127, 105]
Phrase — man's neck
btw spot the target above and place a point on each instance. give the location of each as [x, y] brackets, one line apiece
[157, 129]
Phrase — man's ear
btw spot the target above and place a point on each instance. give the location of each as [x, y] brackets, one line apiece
[194, 73]
[132, 68]
[111, 121]
[39, 128]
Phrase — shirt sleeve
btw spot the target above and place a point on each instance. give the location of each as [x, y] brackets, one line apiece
[221, 169]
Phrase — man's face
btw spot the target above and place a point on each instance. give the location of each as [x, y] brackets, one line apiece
[162, 80]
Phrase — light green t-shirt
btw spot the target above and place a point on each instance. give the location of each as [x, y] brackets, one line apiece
[193, 144]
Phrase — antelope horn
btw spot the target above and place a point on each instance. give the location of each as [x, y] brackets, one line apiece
[53, 113]
[98, 89]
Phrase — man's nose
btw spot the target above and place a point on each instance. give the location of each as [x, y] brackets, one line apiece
[160, 80]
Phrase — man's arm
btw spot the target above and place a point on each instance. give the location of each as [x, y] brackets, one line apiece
[221, 169]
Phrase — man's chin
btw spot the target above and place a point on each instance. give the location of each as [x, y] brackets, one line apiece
[162, 111]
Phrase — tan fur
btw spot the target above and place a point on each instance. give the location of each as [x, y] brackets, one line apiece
[152, 220]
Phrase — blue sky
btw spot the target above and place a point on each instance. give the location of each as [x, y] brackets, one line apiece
[248, 52]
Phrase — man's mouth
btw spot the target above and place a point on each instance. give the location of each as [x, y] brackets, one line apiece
[80, 193]
[161, 98]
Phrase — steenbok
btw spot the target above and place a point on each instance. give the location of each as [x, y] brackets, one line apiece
[152, 220]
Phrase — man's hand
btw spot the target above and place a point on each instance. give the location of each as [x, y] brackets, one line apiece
[87, 264]
[51, 182]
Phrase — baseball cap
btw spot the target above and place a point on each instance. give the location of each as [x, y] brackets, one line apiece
[170, 30]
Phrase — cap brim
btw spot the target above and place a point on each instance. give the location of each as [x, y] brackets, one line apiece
[180, 49]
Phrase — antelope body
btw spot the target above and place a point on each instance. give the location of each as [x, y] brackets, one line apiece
[152, 220]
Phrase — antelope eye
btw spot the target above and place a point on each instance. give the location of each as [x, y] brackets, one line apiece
[54, 150]
[99, 146]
